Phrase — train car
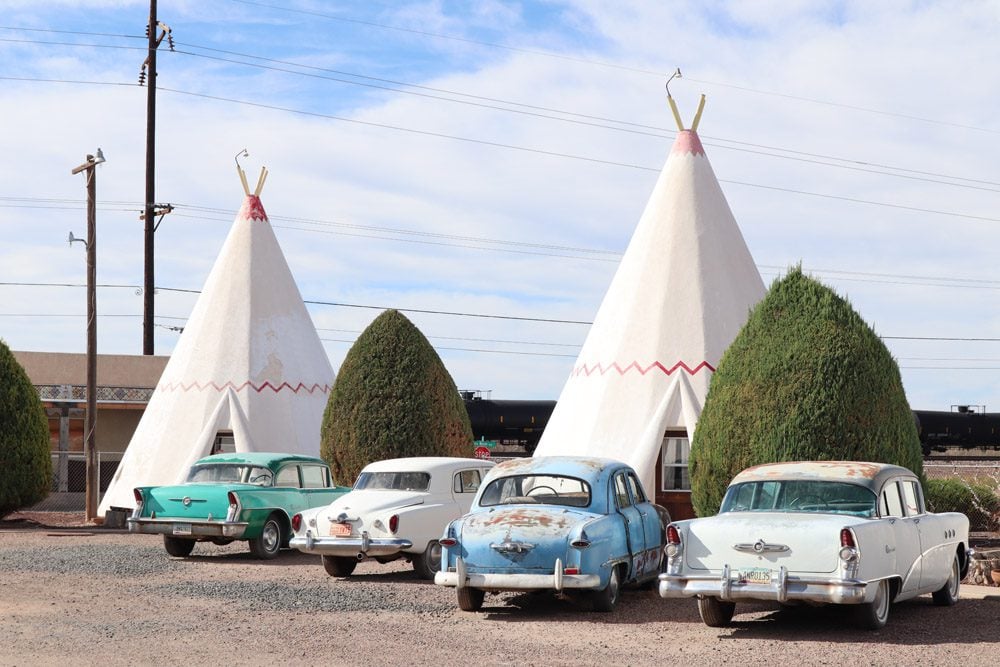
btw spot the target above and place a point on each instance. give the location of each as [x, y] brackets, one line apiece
[964, 427]
[514, 425]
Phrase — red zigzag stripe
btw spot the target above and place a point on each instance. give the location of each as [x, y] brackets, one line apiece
[180, 386]
[602, 369]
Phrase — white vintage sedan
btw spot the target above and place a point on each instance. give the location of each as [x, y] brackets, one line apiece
[398, 508]
[827, 532]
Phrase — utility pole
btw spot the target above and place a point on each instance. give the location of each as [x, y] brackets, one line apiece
[149, 228]
[92, 487]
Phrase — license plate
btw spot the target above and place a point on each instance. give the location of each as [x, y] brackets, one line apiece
[340, 529]
[182, 529]
[755, 575]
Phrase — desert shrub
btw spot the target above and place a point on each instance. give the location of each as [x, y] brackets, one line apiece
[393, 397]
[25, 460]
[805, 379]
[976, 500]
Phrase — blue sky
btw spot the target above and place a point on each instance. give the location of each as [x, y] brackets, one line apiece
[498, 159]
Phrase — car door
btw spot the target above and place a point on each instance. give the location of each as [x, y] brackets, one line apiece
[635, 533]
[904, 554]
[935, 562]
[651, 524]
[464, 487]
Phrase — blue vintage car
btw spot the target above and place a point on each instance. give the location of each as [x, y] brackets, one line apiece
[560, 523]
[242, 496]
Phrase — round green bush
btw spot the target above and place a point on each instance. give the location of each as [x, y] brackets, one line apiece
[806, 379]
[392, 398]
[25, 459]
[975, 500]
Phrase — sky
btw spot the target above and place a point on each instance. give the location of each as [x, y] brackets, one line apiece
[488, 161]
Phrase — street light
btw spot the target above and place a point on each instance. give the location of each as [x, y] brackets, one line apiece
[89, 453]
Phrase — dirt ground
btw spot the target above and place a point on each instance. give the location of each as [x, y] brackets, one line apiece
[95, 596]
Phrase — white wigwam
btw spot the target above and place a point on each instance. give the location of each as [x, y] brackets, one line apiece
[249, 361]
[681, 293]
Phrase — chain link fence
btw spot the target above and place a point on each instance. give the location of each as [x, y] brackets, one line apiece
[69, 481]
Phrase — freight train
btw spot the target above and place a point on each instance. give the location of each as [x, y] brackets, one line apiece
[518, 425]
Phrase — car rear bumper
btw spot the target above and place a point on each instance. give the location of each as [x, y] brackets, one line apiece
[349, 546]
[196, 528]
[459, 577]
[783, 587]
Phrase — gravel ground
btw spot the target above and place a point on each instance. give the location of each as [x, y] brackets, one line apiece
[94, 596]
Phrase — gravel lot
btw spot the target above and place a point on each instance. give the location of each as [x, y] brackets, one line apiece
[94, 596]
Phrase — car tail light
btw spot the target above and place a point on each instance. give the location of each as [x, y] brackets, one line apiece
[571, 570]
[296, 522]
[582, 543]
[846, 538]
[448, 542]
[138, 497]
[393, 523]
[233, 501]
[673, 545]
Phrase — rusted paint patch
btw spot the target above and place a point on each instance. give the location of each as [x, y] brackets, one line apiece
[521, 518]
[829, 470]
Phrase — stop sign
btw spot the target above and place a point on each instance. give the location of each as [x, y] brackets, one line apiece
[481, 453]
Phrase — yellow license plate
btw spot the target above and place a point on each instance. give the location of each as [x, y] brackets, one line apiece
[340, 529]
[755, 575]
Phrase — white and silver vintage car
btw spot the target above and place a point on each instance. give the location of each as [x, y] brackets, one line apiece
[827, 532]
[398, 508]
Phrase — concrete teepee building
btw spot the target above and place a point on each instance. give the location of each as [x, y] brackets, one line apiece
[682, 292]
[249, 368]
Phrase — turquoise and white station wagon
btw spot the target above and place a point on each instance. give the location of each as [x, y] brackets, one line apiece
[819, 532]
[243, 496]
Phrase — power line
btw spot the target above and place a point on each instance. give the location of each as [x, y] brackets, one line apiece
[467, 349]
[618, 66]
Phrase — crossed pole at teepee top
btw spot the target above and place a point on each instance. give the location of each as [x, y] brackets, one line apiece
[243, 176]
[673, 106]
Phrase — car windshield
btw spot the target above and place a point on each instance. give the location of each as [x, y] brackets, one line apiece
[536, 489]
[230, 473]
[800, 496]
[393, 481]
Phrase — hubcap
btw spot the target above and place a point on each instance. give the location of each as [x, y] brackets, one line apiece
[270, 536]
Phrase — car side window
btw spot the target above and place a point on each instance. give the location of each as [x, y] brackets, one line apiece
[288, 477]
[314, 477]
[621, 491]
[636, 487]
[911, 498]
[889, 502]
[467, 481]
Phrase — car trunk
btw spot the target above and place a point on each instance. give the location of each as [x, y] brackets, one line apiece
[190, 502]
[812, 541]
[526, 539]
[363, 505]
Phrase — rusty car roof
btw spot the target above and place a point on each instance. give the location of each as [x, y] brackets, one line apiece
[865, 473]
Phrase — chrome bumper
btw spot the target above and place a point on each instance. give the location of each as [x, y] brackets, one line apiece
[349, 546]
[782, 588]
[493, 581]
[197, 528]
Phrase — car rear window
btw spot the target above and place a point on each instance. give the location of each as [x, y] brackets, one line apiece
[229, 473]
[800, 496]
[536, 490]
[395, 481]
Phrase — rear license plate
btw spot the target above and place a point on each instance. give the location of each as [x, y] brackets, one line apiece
[755, 575]
[340, 529]
[182, 529]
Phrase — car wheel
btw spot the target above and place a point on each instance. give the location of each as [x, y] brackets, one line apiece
[338, 566]
[268, 543]
[873, 615]
[470, 599]
[947, 595]
[176, 546]
[607, 598]
[715, 613]
[428, 563]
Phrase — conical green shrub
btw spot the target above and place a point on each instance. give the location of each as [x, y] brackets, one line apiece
[25, 452]
[393, 397]
[805, 380]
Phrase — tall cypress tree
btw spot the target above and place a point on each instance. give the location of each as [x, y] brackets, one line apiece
[393, 397]
[25, 456]
[806, 379]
